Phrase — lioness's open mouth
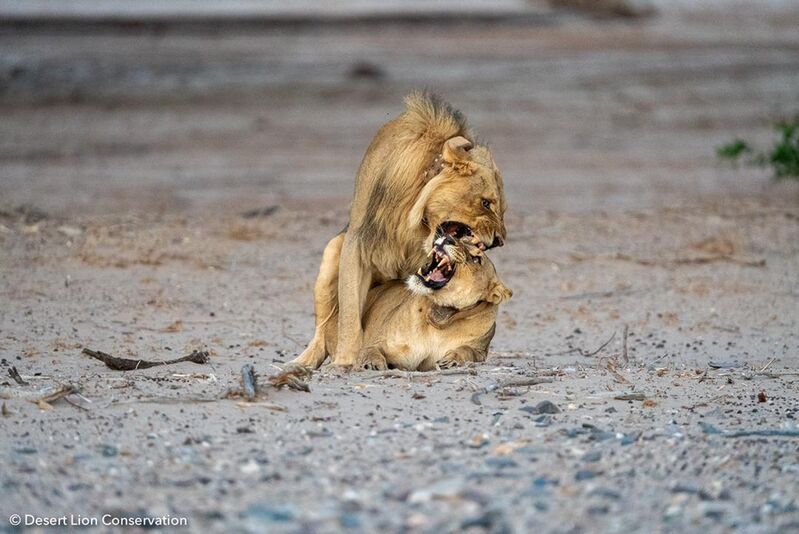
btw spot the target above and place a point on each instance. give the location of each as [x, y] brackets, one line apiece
[440, 270]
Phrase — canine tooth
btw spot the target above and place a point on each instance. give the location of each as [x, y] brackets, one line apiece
[432, 251]
[419, 272]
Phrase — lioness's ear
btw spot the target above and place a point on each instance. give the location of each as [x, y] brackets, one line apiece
[499, 294]
[456, 150]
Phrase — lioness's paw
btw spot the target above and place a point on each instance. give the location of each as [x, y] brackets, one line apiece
[372, 360]
[449, 361]
[335, 369]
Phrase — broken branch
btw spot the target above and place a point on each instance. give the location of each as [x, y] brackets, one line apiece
[127, 364]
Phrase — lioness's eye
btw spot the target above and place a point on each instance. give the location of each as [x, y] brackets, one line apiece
[486, 203]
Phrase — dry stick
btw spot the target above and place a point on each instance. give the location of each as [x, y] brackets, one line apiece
[13, 373]
[398, 373]
[48, 394]
[761, 370]
[126, 364]
[624, 347]
[630, 397]
[507, 384]
[292, 376]
[780, 432]
[583, 352]
[248, 381]
[166, 400]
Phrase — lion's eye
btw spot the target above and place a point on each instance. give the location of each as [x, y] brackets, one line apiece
[486, 203]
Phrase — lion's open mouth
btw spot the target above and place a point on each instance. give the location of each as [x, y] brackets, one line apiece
[440, 270]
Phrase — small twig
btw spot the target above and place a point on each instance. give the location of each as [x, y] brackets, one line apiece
[508, 384]
[703, 377]
[13, 373]
[46, 395]
[582, 352]
[248, 381]
[761, 370]
[398, 373]
[293, 377]
[611, 366]
[126, 364]
[166, 400]
[624, 354]
[768, 433]
[81, 403]
[631, 397]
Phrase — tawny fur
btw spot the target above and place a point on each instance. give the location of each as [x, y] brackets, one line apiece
[407, 326]
[395, 211]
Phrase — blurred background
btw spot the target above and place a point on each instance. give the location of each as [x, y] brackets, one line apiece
[184, 105]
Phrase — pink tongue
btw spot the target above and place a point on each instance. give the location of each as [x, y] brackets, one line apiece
[437, 276]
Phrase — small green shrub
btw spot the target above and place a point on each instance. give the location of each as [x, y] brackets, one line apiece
[782, 158]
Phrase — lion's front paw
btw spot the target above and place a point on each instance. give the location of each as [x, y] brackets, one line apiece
[450, 359]
[335, 369]
[371, 359]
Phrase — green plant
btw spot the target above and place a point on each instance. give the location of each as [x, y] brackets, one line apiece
[733, 150]
[783, 157]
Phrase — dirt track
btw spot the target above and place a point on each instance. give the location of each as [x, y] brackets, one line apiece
[620, 216]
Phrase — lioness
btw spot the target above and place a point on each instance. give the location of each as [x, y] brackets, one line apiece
[413, 327]
[421, 178]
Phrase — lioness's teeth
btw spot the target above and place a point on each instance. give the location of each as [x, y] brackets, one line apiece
[444, 261]
[419, 272]
[432, 251]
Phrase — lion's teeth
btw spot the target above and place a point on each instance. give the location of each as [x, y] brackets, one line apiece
[432, 251]
[444, 260]
[419, 272]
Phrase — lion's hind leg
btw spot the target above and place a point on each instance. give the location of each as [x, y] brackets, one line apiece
[325, 307]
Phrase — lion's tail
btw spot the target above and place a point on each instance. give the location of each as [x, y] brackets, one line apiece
[429, 116]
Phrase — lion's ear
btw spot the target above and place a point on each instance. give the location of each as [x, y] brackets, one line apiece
[499, 293]
[456, 150]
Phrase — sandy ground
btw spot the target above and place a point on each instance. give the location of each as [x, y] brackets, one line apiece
[623, 229]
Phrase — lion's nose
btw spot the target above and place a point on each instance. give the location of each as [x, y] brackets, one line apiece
[498, 242]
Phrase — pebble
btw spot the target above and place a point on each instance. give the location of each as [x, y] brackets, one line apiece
[478, 441]
[272, 514]
[444, 489]
[584, 474]
[109, 451]
[488, 521]
[251, 467]
[546, 407]
[543, 420]
[349, 520]
[592, 456]
[543, 407]
[501, 463]
[606, 493]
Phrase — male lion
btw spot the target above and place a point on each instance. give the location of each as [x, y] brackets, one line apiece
[420, 328]
[421, 178]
